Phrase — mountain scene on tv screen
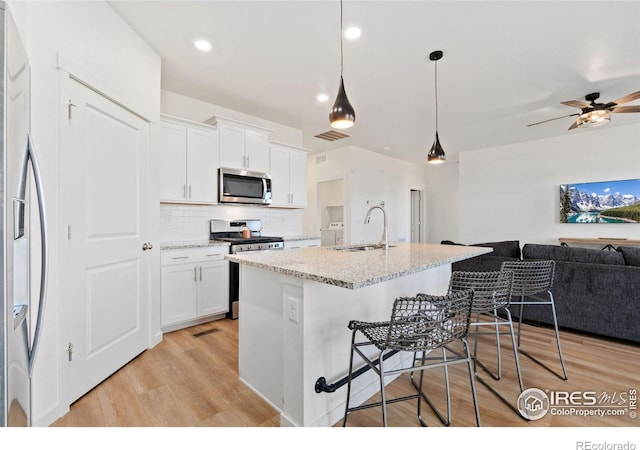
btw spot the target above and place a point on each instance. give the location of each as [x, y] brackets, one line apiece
[601, 202]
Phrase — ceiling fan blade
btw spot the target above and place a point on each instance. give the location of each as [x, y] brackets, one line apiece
[626, 109]
[574, 125]
[627, 98]
[576, 104]
[555, 118]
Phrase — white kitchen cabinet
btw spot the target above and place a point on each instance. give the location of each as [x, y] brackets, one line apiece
[188, 161]
[242, 146]
[195, 286]
[288, 175]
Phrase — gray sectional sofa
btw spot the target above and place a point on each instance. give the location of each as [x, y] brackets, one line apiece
[595, 291]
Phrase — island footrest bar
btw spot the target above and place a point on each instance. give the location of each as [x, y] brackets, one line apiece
[322, 386]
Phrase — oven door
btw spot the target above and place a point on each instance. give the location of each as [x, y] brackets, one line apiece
[241, 186]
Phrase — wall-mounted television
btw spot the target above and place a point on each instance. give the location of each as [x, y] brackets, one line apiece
[600, 202]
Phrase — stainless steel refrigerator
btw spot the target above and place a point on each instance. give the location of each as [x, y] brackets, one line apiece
[23, 232]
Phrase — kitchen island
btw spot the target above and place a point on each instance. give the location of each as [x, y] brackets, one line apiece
[295, 306]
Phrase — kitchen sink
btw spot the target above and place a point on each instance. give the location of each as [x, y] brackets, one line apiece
[362, 248]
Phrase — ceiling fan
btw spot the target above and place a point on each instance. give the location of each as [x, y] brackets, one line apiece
[594, 114]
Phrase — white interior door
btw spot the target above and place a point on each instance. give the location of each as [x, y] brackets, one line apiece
[416, 215]
[104, 151]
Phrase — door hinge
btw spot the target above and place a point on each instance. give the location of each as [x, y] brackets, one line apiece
[69, 106]
[68, 232]
[70, 351]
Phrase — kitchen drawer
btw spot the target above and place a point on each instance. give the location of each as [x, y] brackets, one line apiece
[193, 255]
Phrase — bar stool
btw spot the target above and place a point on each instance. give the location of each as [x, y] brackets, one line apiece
[492, 294]
[532, 282]
[417, 324]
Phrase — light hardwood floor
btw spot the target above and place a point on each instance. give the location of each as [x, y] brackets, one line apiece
[192, 380]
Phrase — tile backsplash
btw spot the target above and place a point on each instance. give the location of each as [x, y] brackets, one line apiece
[191, 222]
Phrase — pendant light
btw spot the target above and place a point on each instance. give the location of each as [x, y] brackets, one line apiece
[342, 114]
[436, 154]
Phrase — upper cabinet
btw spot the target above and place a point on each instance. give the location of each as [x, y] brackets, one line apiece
[242, 146]
[188, 161]
[288, 175]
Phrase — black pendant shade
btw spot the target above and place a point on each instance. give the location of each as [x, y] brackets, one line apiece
[342, 114]
[436, 153]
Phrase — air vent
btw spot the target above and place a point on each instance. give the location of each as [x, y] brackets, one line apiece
[331, 135]
[321, 159]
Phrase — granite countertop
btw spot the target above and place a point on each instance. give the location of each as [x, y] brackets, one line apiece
[356, 269]
[179, 245]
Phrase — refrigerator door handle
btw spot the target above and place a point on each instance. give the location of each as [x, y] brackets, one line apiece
[44, 265]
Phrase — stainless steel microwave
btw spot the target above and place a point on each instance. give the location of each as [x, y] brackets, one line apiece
[242, 186]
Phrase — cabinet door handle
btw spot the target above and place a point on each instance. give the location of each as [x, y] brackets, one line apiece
[184, 190]
[248, 163]
[195, 274]
[189, 191]
[244, 162]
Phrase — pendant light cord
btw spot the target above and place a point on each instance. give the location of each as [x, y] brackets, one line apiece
[341, 51]
[436, 84]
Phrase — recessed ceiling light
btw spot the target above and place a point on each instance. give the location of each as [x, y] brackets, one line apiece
[322, 98]
[352, 33]
[202, 45]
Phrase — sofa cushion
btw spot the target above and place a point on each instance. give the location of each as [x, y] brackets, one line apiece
[510, 249]
[631, 255]
[572, 254]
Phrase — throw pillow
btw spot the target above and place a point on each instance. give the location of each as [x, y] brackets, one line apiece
[631, 255]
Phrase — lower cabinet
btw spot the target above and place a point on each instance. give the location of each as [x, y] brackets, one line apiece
[195, 286]
[301, 243]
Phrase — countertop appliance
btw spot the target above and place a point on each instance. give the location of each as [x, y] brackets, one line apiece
[22, 313]
[243, 186]
[333, 234]
[231, 231]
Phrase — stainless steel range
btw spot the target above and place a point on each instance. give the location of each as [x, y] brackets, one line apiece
[244, 236]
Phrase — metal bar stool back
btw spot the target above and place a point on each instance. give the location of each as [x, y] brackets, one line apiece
[492, 294]
[417, 324]
[532, 284]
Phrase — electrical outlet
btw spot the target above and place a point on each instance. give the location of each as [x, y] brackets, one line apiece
[292, 308]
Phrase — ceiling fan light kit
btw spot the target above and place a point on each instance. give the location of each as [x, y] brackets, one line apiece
[436, 154]
[593, 118]
[342, 114]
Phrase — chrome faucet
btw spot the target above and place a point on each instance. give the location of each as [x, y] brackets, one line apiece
[385, 239]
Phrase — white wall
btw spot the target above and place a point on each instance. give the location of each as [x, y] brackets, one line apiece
[369, 178]
[96, 44]
[512, 191]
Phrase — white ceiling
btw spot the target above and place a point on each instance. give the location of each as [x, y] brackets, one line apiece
[506, 64]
